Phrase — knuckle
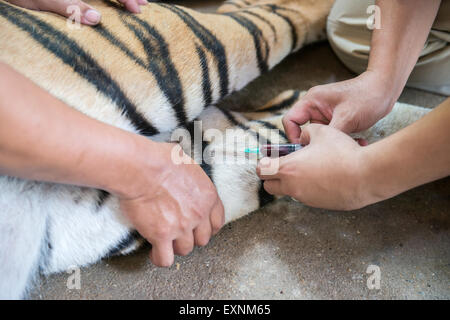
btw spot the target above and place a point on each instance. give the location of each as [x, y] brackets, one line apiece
[183, 226]
[202, 213]
[314, 91]
[163, 231]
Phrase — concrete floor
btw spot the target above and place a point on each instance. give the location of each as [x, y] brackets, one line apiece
[290, 251]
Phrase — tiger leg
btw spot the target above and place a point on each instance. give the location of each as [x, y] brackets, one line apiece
[299, 14]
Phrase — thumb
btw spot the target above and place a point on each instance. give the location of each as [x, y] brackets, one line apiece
[76, 9]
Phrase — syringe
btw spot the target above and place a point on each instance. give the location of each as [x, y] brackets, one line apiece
[275, 150]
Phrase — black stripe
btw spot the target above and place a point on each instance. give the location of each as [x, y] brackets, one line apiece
[102, 197]
[47, 247]
[278, 7]
[258, 39]
[165, 72]
[206, 166]
[264, 20]
[283, 104]
[126, 242]
[211, 43]
[264, 196]
[232, 119]
[81, 62]
[294, 36]
[270, 126]
[236, 123]
[105, 33]
[159, 63]
[206, 81]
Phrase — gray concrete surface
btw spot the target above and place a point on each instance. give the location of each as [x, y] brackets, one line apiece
[290, 251]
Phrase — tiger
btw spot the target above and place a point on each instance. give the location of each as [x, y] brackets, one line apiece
[154, 74]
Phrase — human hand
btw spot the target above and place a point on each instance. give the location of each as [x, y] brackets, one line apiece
[89, 15]
[329, 172]
[175, 208]
[172, 206]
[351, 106]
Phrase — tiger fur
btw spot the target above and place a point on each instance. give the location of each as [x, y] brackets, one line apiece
[150, 74]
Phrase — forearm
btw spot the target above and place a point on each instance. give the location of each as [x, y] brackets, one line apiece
[396, 46]
[41, 138]
[418, 154]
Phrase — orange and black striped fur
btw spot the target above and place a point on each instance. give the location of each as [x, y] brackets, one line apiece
[152, 74]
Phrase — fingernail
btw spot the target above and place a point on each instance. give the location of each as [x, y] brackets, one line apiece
[92, 16]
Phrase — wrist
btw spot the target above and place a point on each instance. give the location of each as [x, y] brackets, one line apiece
[140, 167]
[375, 174]
[383, 85]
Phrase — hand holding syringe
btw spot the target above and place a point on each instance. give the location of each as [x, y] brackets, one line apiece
[274, 150]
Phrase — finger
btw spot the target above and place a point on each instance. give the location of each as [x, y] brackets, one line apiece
[25, 4]
[273, 186]
[310, 132]
[217, 217]
[75, 9]
[294, 118]
[202, 233]
[184, 245]
[268, 169]
[161, 253]
[131, 5]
